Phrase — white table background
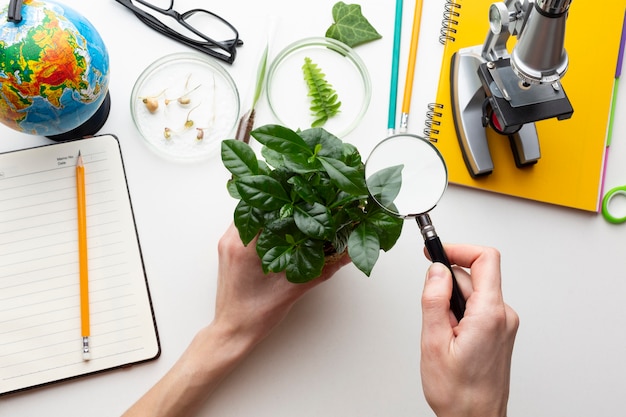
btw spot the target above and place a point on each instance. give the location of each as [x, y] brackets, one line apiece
[351, 348]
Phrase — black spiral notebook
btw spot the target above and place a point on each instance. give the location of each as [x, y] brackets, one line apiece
[40, 324]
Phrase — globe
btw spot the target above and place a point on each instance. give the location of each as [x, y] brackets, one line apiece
[54, 72]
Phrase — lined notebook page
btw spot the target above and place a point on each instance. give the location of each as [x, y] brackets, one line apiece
[40, 332]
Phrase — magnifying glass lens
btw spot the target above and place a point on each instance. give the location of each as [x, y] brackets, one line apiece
[406, 175]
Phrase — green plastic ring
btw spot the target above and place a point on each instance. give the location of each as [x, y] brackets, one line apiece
[607, 200]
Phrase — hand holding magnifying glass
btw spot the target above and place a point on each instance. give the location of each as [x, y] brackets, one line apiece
[406, 175]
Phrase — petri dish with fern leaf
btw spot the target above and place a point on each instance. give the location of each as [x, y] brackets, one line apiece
[319, 82]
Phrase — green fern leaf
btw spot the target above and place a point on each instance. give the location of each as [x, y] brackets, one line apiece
[324, 100]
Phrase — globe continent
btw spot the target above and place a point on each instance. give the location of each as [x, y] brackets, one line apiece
[54, 69]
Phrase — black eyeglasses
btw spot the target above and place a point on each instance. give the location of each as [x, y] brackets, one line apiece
[190, 27]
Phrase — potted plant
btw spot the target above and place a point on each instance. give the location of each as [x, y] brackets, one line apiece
[306, 200]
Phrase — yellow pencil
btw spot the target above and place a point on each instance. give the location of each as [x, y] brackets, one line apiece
[408, 86]
[82, 255]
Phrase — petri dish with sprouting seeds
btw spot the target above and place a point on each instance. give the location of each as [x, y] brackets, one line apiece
[184, 104]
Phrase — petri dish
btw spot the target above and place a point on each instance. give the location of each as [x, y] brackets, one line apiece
[343, 69]
[184, 104]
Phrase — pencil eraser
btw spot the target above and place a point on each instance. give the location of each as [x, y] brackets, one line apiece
[86, 356]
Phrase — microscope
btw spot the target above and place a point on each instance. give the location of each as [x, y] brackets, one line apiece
[508, 93]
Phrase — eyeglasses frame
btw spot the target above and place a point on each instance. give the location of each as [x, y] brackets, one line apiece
[208, 47]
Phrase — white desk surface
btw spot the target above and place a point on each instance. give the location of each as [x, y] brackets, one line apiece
[351, 348]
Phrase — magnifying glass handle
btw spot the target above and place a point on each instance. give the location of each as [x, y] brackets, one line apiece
[437, 254]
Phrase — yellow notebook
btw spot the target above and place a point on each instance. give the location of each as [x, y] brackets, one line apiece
[570, 170]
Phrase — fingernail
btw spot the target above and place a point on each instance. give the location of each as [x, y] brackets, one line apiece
[437, 271]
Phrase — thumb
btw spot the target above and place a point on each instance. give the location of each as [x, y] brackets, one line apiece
[436, 301]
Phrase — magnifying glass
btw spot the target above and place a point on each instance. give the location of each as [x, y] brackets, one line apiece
[406, 175]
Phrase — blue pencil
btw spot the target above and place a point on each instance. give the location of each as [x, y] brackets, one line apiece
[395, 60]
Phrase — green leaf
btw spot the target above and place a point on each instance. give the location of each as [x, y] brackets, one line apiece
[387, 227]
[274, 251]
[262, 192]
[351, 155]
[239, 158]
[260, 76]
[384, 185]
[286, 211]
[248, 221]
[364, 247]
[306, 263]
[349, 179]
[350, 26]
[314, 220]
[330, 145]
[324, 99]
[232, 189]
[273, 158]
[340, 242]
[282, 140]
[303, 189]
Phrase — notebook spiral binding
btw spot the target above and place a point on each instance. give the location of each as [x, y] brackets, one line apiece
[433, 116]
[451, 15]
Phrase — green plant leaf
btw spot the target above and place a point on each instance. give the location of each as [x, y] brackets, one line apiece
[239, 158]
[351, 155]
[303, 189]
[273, 158]
[314, 220]
[232, 189]
[324, 99]
[275, 252]
[286, 211]
[262, 192]
[260, 76]
[349, 179]
[384, 185]
[387, 227]
[350, 26]
[306, 262]
[340, 242]
[364, 247]
[330, 145]
[282, 140]
[248, 220]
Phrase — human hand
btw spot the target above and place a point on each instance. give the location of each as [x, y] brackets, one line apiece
[466, 366]
[249, 302]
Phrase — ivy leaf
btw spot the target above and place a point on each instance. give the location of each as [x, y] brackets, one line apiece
[350, 26]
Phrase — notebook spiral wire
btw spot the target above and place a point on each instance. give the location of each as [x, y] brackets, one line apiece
[450, 20]
[433, 116]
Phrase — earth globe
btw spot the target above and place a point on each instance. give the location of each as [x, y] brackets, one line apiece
[54, 71]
